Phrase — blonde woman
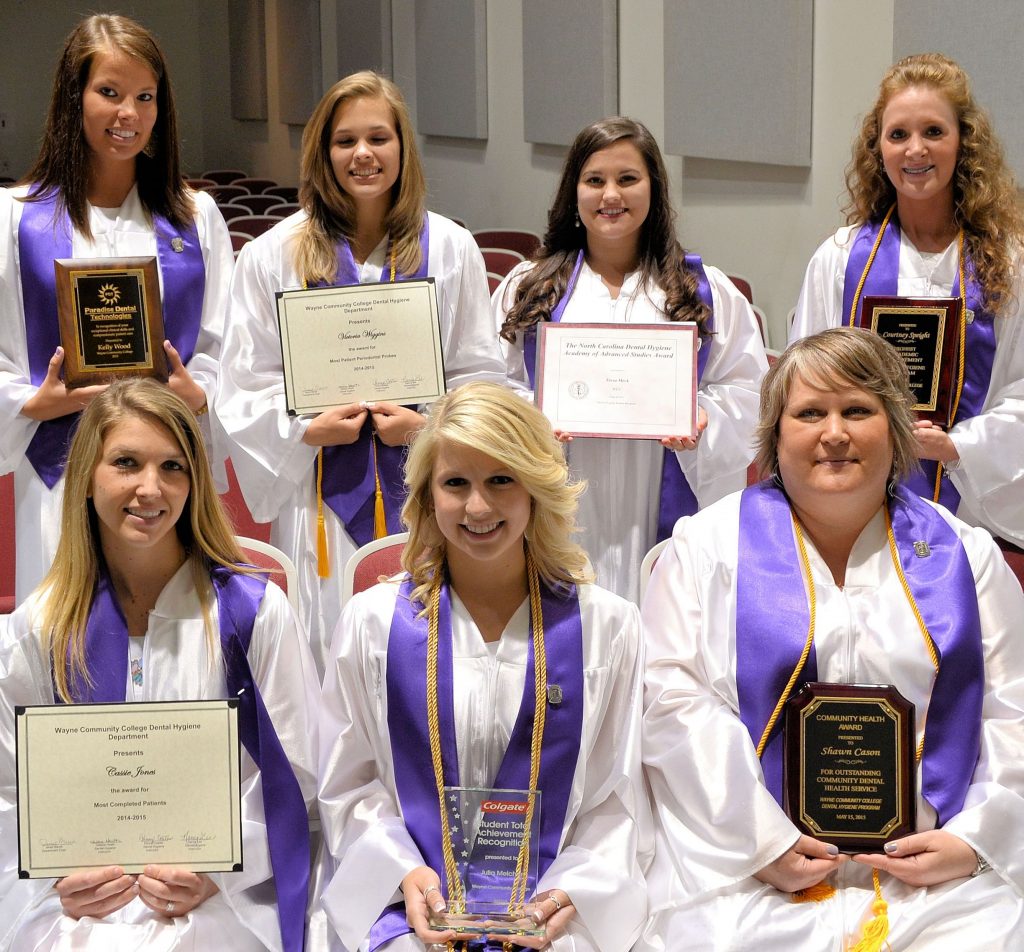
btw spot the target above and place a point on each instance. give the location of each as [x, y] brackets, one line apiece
[145, 601]
[933, 211]
[491, 516]
[363, 219]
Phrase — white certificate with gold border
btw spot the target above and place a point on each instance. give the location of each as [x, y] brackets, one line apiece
[623, 381]
[128, 785]
[360, 342]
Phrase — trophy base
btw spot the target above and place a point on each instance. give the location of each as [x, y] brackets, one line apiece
[495, 924]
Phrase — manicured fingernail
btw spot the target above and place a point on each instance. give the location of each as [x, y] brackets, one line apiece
[438, 907]
[890, 847]
[833, 850]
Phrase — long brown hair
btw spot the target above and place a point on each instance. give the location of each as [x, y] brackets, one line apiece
[62, 166]
[986, 204]
[330, 209]
[203, 528]
[662, 260]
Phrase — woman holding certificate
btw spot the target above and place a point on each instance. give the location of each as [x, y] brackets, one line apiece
[145, 602]
[106, 184]
[933, 211]
[610, 255]
[833, 571]
[490, 663]
[332, 482]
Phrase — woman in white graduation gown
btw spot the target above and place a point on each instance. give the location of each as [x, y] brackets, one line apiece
[610, 254]
[833, 571]
[145, 602]
[363, 219]
[933, 211]
[107, 184]
[538, 681]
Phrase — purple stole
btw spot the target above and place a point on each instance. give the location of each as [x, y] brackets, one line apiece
[349, 482]
[44, 234]
[676, 498]
[772, 621]
[410, 744]
[980, 344]
[238, 601]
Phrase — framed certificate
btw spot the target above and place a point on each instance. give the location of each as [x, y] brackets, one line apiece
[926, 332]
[360, 342]
[849, 770]
[624, 381]
[110, 318]
[128, 785]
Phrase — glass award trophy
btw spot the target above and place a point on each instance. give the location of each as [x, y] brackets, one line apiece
[495, 843]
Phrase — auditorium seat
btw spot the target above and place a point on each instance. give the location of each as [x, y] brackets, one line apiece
[224, 176]
[513, 239]
[256, 186]
[500, 260]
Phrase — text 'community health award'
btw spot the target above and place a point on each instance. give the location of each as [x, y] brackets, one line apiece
[495, 838]
[849, 764]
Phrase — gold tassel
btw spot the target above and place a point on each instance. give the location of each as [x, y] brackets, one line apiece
[819, 892]
[877, 930]
[323, 558]
[380, 522]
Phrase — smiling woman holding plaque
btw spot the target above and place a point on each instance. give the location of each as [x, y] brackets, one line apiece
[933, 212]
[146, 601]
[831, 571]
[331, 481]
[107, 184]
[489, 672]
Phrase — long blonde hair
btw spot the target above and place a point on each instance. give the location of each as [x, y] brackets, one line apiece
[985, 199]
[331, 211]
[203, 528]
[491, 419]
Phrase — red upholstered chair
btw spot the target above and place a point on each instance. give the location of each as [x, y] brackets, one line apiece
[742, 285]
[493, 280]
[282, 209]
[257, 186]
[254, 225]
[224, 176]
[647, 566]
[200, 184]
[257, 204]
[500, 260]
[223, 194]
[287, 193]
[280, 568]
[512, 239]
[237, 240]
[378, 559]
[762, 323]
[7, 546]
[238, 511]
[1015, 558]
[231, 210]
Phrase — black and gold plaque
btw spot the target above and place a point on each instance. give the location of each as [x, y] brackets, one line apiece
[111, 322]
[926, 332]
[849, 771]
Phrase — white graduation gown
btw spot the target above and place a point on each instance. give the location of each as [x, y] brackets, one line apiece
[276, 470]
[618, 513]
[607, 825]
[177, 665]
[717, 824]
[126, 232]
[990, 477]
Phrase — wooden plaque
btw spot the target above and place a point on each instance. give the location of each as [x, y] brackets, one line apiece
[849, 770]
[926, 332]
[111, 321]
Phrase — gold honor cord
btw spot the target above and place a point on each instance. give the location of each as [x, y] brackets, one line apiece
[962, 354]
[380, 529]
[456, 898]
